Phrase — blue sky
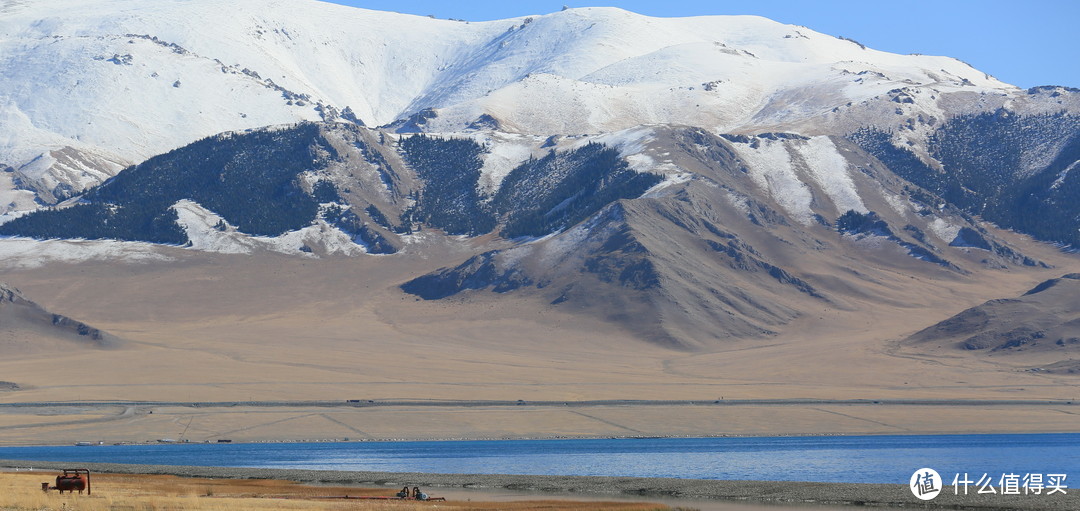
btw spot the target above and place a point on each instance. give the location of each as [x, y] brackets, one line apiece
[1025, 44]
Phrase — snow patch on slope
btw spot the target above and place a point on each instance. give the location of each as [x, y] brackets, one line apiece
[331, 241]
[1064, 174]
[671, 179]
[738, 201]
[628, 141]
[556, 248]
[14, 201]
[790, 168]
[900, 204]
[505, 152]
[832, 173]
[772, 170]
[944, 230]
[634, 146]
[23, 253]
[208, 232]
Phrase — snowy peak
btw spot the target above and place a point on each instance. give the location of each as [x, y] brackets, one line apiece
[603, 69]
[130, 80]
[696, 179]
[152, 77]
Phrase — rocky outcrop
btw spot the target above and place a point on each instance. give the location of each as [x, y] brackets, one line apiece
[23, 323]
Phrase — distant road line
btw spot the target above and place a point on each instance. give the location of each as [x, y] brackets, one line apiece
[129, 411]
[376, 403]
[864, 419]
[609, 423]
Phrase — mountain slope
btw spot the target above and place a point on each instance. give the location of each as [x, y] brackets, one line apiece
[343, 181]
[698, 179]
[744, 235]
[1041, 328]
[688, 236]
[1012, 169]
[148, 78]
[28, 329]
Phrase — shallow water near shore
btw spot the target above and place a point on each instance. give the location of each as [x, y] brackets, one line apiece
[835, 459]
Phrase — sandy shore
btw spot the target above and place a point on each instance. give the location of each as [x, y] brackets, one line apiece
[670, 490]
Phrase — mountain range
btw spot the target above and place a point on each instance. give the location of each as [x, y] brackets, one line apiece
[696, 180]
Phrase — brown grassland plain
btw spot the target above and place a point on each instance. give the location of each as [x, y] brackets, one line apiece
[112, 492]
[265, 327]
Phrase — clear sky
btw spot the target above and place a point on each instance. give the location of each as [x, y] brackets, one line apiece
[1018, 42]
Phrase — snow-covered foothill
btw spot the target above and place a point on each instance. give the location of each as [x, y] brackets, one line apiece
[24, 253]
[208, 232]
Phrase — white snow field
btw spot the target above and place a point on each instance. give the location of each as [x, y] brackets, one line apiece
[89, 86]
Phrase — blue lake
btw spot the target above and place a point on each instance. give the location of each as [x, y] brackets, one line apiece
[864, 459]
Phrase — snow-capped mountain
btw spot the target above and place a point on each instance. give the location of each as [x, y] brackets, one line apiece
[692, 178]
[126, 80]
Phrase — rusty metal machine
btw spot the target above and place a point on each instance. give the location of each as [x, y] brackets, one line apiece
[72, 479]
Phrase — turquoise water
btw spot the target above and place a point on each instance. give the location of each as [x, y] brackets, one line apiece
[863, 459]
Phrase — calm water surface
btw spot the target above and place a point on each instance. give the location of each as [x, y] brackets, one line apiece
[864, 459]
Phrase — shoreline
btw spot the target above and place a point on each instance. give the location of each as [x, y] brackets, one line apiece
[760, 492]
[532, 438]
[544, 438]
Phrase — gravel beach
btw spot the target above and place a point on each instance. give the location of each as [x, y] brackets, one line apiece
[766, 492]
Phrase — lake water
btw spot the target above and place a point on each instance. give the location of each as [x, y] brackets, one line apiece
[863, 459]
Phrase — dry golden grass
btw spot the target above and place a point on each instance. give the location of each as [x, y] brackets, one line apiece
[268, 328]
[111, 492]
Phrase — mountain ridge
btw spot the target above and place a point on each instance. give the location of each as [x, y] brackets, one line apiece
[1041, 328]
[586, 70]
[703, 237]
[698, 179]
